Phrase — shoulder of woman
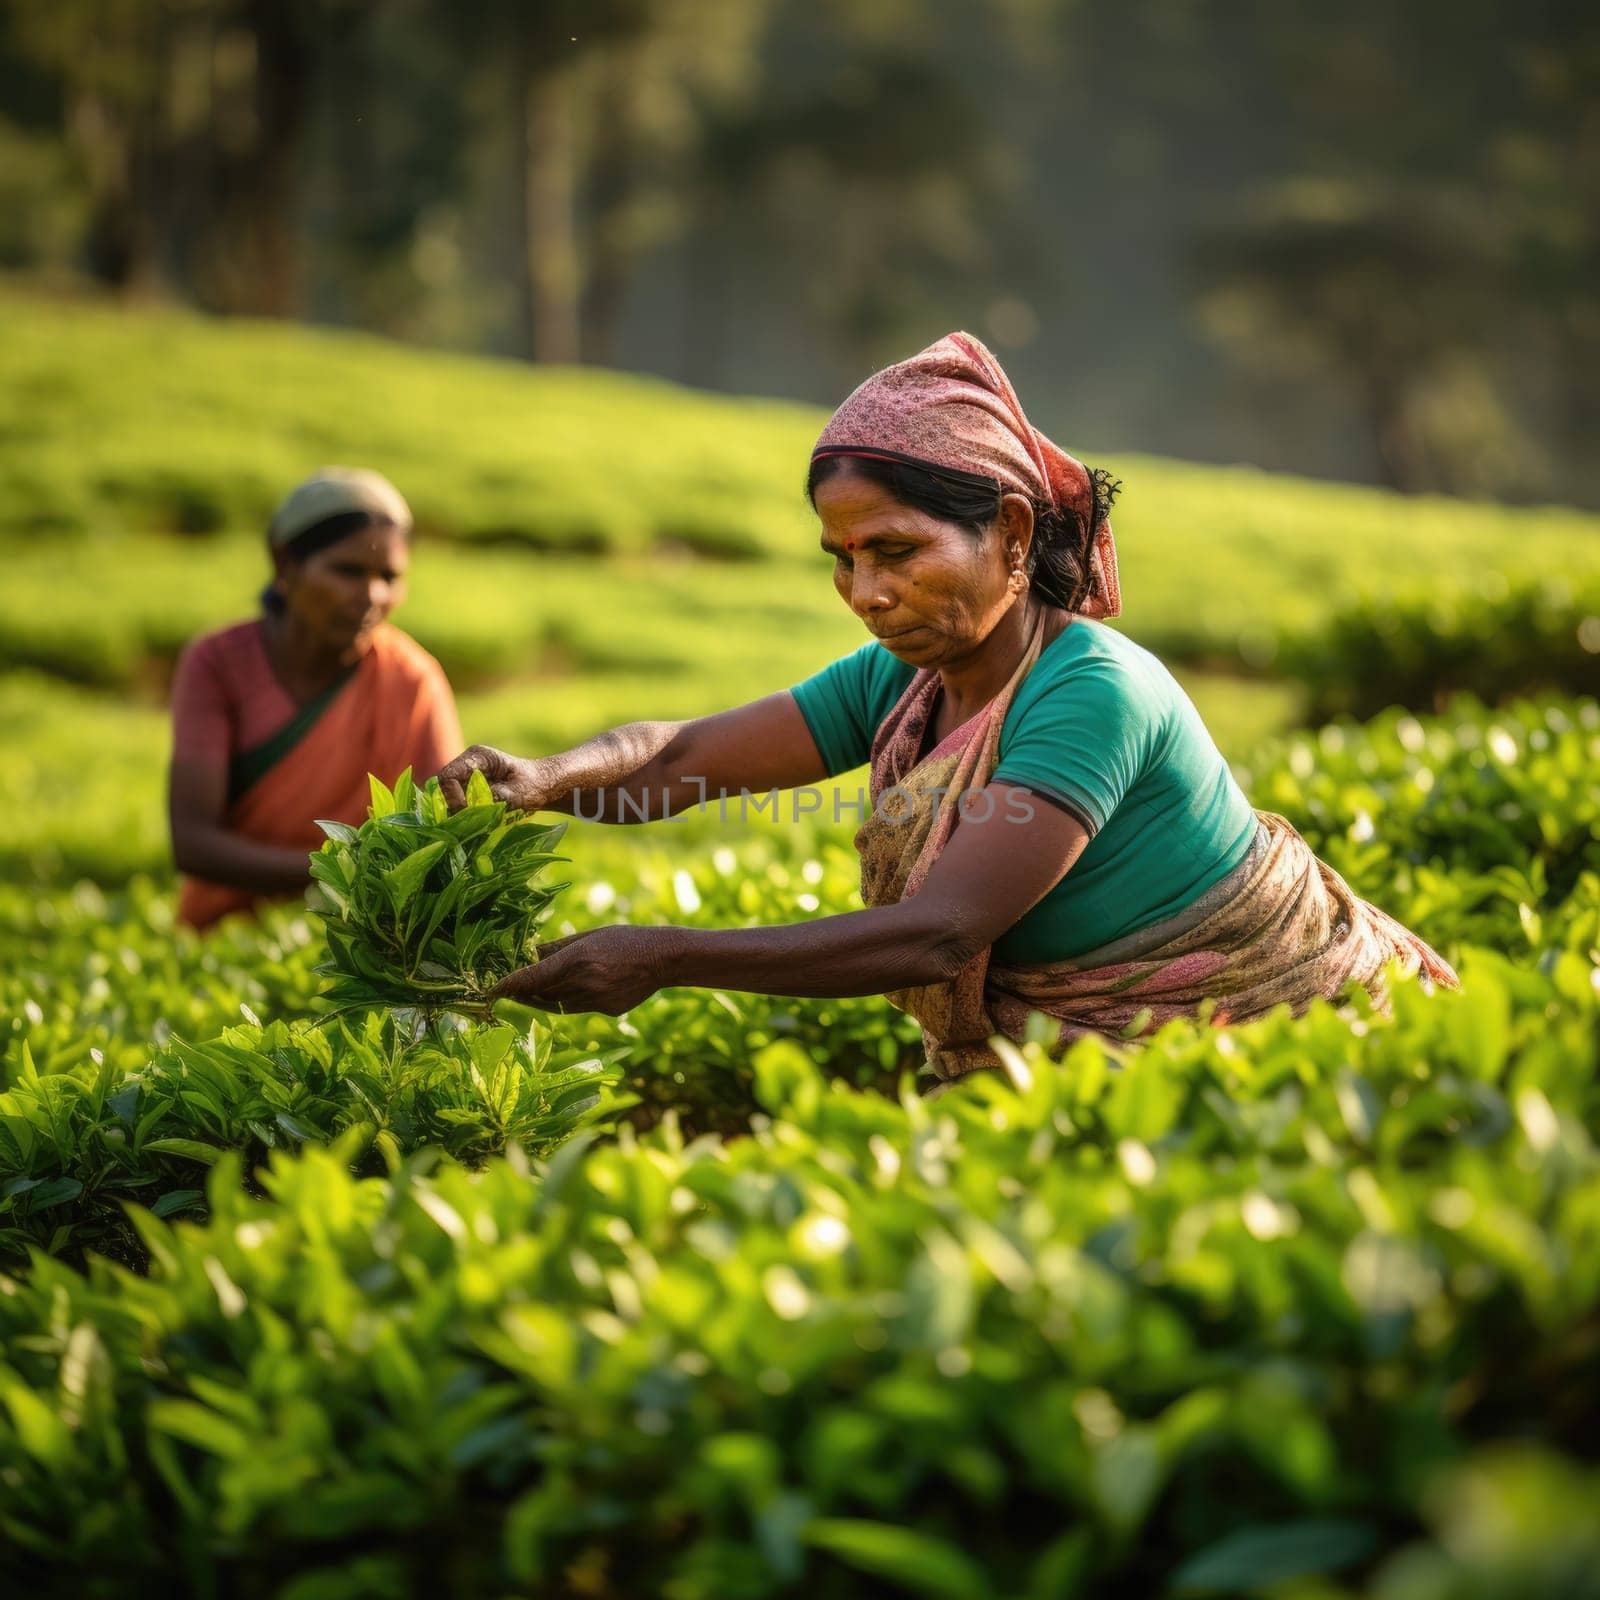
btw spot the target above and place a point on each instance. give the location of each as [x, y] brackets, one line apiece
[217, 651]
[1091, 676]
[1085, 651]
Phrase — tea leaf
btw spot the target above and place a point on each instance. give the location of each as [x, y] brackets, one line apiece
[428, 910]
[382, 797]
[1255, 1557]
[911, 1559]
[405, 879]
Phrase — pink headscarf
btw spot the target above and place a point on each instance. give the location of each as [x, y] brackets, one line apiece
[953, 407]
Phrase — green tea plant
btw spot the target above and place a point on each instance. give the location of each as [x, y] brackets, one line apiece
[1075, 1331]
[1420, 648]
[77, 1142]
[428, 910]
[1479, 826]
[1229, 1316]
[88, 977]
[690, 1051]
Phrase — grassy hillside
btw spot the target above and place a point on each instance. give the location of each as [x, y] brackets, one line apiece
[593, 547]
[170, 423]
[112, 424]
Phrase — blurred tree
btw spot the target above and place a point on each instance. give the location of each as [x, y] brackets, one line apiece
[1393, 213]
[99, 65]
[44, 206]
[612, 96]
[399, 113]
[255, 261]
[1396, 294]
[1442, 221]
[549, 139]
[186, 120]
[658, 94]
[870, 183]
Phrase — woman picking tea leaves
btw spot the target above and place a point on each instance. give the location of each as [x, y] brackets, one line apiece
[277, 721]
[1053, 829]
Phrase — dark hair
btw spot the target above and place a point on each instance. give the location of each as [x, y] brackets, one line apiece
[1058, 560]
[310, 540]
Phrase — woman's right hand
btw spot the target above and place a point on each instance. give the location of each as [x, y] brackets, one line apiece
[518, 781]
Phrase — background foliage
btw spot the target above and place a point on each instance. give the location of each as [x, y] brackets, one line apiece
[1359, 243]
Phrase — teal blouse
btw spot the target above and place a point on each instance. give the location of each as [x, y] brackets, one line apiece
[1102, 729]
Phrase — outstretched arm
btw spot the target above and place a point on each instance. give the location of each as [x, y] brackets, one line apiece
[649, 770]
[989, 876]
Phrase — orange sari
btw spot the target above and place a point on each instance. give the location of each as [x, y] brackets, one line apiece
[394, 711]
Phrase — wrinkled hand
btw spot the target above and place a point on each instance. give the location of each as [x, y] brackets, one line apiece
[609, 970]
[517, 781]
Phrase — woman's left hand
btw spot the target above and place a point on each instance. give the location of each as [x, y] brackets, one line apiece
[609, 970]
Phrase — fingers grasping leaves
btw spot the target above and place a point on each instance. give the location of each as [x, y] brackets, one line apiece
[429, 908]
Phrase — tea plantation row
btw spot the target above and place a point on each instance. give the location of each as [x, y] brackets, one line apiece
[1245, 1310]
[492, 616]
[1494, 639]
[1307, 1306]
[89, 992]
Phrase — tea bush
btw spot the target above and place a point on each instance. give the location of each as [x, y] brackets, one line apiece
[483, 449]
[1475, 826]
[86, 970]
[1479, 827]
[78, 1142]
[1418, 650]
[1227, 1317]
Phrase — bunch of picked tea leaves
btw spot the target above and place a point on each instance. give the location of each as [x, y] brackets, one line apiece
[426, 909]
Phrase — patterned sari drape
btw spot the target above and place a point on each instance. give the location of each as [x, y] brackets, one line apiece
[1293, 933]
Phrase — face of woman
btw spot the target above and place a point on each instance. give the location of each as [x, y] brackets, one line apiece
[929, 589]
[339, 595]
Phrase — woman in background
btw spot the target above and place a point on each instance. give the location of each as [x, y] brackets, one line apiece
[277, 721]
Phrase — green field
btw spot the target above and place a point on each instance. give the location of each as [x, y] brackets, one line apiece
[594, 548]
[705, 1301]
[114, 426]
